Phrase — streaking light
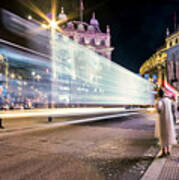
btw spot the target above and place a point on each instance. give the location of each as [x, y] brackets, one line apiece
[76, 74]
[44, 26]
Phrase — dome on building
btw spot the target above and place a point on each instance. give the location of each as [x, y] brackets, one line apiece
[70, 25]
[81, 27]
[62, 15]
[91, 29]
[94, 21]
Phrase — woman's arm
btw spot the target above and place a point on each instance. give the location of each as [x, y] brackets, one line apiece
[159, 106]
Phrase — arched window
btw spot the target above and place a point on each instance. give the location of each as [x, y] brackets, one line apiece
[171, 44]
[92, 42]
[71, 37]
[103, 43]
[82, 40]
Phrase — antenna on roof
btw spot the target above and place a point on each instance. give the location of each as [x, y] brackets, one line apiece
[167, 32]
[81, 10]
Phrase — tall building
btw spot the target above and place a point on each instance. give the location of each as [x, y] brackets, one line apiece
[88, 34]
[172, 43]
[165, 62]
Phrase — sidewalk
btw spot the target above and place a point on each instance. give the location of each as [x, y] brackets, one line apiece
[165, 168]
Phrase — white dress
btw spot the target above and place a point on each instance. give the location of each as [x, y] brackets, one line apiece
[165, 129]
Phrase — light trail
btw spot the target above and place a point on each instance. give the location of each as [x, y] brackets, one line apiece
[77, 75]
[63, 112]
[23, 48]
[37, 127]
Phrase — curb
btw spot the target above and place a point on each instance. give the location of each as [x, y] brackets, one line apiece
[154, 170]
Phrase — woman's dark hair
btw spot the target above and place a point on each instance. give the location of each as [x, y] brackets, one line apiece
[160, 93]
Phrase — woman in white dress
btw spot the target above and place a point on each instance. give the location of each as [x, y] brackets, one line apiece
[165, 130]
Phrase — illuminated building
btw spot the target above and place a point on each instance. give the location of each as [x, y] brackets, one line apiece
[165, 62]
[89, 35]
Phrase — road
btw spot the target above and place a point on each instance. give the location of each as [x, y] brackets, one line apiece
[119, 148]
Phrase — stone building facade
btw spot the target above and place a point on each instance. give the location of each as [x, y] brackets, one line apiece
[173, 66]
[89, 35]
[165, 62]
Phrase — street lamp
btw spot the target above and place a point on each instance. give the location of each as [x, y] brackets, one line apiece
[12, 75]
[53, 26]
[4, 62]
[29, 17]
[33, 82]
[33, 73]
[33, 77]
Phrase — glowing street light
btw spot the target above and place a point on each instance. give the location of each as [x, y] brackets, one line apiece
[53, 24]
[29, 17]
[33, 73]
[12, 75]
[38, 77]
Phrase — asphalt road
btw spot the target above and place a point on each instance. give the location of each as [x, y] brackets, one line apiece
[120, 148]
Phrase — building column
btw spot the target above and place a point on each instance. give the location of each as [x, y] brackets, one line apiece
[160, 75]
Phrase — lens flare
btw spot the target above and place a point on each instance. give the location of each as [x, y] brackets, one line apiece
[53, 24]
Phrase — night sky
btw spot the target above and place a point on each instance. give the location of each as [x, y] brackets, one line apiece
[138, 29]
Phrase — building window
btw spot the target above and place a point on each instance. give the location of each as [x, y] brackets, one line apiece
[176, 41]
[82, 40]
[102, 43]
[71, 37]
[92, 42]
[170, 44]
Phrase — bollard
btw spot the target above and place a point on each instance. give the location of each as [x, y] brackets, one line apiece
[49, 119]
[1, 126]
[49, 106]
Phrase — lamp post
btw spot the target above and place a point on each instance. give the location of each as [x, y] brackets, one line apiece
[5, 68]
[174, 80]
[33, 79]
[4, 61]
[53, 26]
[6, 72]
